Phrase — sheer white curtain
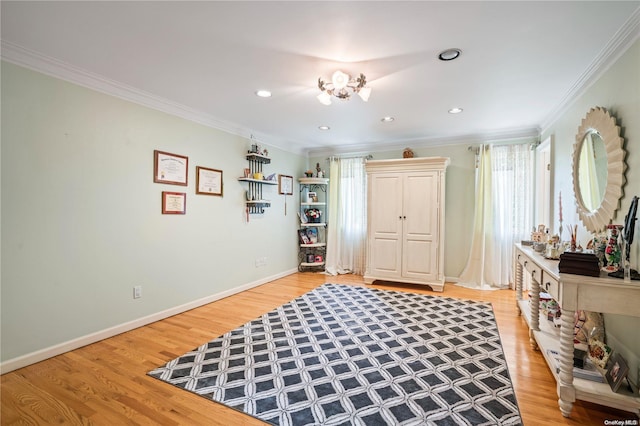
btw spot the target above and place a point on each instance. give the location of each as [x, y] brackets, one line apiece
[503, 214]
[347, 228]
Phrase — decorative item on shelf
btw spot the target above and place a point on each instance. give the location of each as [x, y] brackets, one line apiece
[539, 247]
[407, 153]
[587, 323]
[265, 152]
[271, 177]
[553, 251]
[560, 216]
[539, 234]
[257, 176]
[308, 173]
[313, 215]
[304, 238]
[612, 252]
[318, 258]
[342, 86]
[617, 372]
[311, 258]
[599, 353]
[573, 233]
[598, 245]
[578, 263]
[312, 234]
[625, 270]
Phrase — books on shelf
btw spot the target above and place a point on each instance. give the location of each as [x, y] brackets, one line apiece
[589, 372]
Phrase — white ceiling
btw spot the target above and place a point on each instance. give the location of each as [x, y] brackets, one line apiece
[522, 62]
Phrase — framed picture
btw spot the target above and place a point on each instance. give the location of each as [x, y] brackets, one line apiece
[285, 184]
[303, 236]
[312, 234]
[616, 372]
[174, 202]
[170, 168]
[208, 181]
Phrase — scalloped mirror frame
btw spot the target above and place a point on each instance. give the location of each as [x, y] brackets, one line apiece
[600, 120]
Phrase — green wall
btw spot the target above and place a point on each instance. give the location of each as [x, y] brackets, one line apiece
[81, 215]
[617, 90]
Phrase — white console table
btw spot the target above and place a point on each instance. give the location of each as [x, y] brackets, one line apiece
[573, 292]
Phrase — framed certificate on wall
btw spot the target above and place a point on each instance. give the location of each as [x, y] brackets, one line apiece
[170, 168]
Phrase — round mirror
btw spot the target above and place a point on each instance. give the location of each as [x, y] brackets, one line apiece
[592, 170]
[598, 169]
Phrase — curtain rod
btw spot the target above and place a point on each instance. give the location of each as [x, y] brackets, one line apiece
[366, 157]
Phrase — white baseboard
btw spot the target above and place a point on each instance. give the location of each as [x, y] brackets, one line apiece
[41, 355]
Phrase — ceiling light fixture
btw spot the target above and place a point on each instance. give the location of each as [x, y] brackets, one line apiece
[449, 54]
[263, 93]
[342, 86]
[387, 119]
[455, 110]
[324, 127]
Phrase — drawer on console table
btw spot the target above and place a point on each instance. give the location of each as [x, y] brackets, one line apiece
[533, 269]
[550, 285]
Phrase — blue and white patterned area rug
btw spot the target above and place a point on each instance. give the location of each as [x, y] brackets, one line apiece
[347, 355]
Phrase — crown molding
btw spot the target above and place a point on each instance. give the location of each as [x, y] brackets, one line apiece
[511, 135]
[47, 65]
[615, 48]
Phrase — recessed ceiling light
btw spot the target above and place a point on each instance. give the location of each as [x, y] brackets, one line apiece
[387, 119]
[455, 110]
[263, 93]
[449, 54]
[324, 127]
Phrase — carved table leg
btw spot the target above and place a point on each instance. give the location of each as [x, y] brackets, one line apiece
[566, 391]
[534, 304]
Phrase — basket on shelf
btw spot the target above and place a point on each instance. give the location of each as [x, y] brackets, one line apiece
[313, 215]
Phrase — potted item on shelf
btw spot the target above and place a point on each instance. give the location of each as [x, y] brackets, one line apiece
[308, 173]
[313, 215]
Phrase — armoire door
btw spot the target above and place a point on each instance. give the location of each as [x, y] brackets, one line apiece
[385, 205]
[421, 198]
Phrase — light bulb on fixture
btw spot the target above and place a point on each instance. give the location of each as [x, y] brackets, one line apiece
[340, 80]
[342, 86]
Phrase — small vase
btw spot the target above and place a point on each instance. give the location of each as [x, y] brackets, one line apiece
[612, 252]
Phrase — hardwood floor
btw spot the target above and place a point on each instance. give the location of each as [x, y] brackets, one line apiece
[106, 383]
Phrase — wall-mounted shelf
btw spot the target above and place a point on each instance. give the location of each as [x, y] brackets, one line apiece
[262, 181]
[255, 203]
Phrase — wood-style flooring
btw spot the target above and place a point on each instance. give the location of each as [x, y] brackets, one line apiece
[106, 383]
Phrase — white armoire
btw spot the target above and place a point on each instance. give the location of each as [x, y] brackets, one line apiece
[405, 221]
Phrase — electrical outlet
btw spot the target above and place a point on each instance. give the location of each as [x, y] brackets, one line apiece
[137, 292]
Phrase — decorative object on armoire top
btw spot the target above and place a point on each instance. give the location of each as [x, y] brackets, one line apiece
[407, 153]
